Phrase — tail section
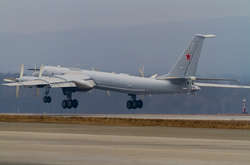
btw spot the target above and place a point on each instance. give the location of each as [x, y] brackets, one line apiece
[187, 63]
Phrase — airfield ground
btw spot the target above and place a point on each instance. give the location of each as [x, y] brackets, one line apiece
[32, 143]
[191, 121]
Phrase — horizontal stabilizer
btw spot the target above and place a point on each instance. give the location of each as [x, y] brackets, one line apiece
[222, 85]
[215, 79]
[206, 35]
[197, 78]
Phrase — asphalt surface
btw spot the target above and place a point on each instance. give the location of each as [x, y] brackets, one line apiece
[43, 144]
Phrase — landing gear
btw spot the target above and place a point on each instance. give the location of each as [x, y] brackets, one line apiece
[69, 102]
[133, 104]
[46, 98]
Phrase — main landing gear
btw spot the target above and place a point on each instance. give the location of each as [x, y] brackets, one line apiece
[133, 103]
[69, 102]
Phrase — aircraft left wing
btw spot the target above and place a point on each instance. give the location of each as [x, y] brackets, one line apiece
[52, 82]
[221, 85]
[69, 80]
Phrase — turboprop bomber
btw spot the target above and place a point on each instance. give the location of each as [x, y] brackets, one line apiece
[180, 79]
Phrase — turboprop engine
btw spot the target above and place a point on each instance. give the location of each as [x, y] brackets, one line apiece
[85, 85]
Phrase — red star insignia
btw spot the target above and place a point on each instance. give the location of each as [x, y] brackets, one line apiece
[188, 57]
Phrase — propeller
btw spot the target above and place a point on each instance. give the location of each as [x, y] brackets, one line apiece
[41, 71]
[17, 91]
[39, 76]
[37, 91]
[108, 93]
[141, 71]
[19, 79]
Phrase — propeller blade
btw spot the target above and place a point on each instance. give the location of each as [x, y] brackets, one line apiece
[37, 91]
[17, 91]
[141, 71]
[108, 93]
[41, 71]
[21, 71]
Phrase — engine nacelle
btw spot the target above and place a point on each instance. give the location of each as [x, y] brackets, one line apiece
[85, 85]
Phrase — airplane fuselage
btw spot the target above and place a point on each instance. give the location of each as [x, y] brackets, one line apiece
[133, 84]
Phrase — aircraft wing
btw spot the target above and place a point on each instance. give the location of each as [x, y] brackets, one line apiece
[26, 83]
[62, 81]
[52, 82]
[221, 85]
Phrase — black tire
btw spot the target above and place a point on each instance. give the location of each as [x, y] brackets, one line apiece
[75, 103]
[69, 104]
[134, 104]
[49, 99]
[64, 104]
[129, 104]
[139, 103]
[45, 100]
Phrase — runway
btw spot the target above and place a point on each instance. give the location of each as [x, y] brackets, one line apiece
[49, 144]
[173, 116]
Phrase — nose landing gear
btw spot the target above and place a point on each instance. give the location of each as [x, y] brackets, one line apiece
[47, 98]
[133, 103]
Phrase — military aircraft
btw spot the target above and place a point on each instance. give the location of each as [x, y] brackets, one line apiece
[180, 79]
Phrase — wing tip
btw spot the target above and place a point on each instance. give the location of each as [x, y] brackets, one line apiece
[206, 35]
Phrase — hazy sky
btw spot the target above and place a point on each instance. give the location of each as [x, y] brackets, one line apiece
[117, 35]
[27, 16]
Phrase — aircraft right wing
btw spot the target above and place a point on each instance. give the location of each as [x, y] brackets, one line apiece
[221, 85]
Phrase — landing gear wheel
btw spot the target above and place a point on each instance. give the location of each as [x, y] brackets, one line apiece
[47, 99]
[139, 103]
[129, 104]
[64, 104]
[69, 104]
[75, 103]
[134, 104]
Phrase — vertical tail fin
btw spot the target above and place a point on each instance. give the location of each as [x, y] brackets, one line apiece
[187, 63]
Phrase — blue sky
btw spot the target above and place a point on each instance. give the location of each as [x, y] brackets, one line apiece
[28, 16]
[115, 35]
